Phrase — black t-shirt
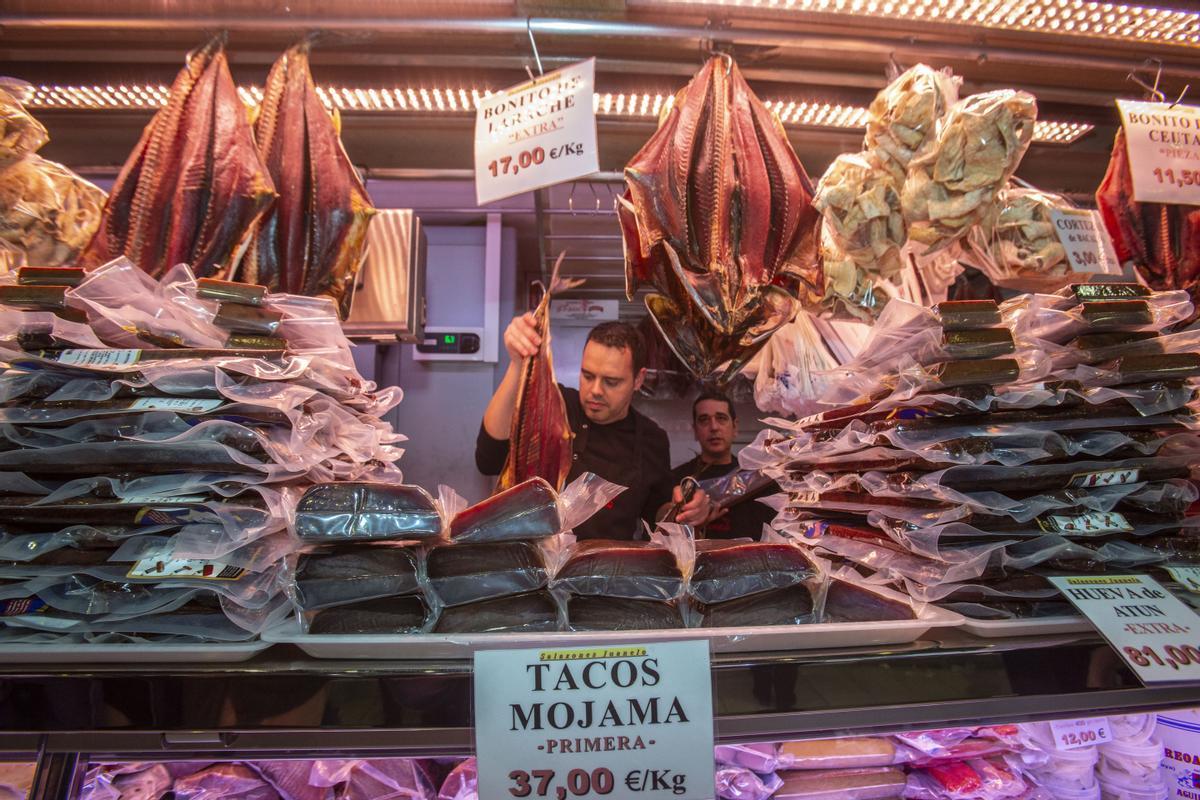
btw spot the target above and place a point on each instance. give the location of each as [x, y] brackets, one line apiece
[632, 452]
[745, 519]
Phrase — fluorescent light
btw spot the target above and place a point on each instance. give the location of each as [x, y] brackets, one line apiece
[1128, 22]
[461, 100]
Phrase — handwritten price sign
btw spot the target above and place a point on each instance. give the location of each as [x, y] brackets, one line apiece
[1163, 143]
[536, 134]
[617, 721]
[1156, 634]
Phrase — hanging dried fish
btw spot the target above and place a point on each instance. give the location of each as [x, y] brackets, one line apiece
[717, 217]
[1162, 241]
[194, 185]
[313, 241]
[541, 435]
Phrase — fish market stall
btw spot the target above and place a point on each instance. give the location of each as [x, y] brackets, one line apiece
[937, 267]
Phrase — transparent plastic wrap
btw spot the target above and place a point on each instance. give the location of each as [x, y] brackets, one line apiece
[738, 783]
[34, 330]
[382, 615]
[851, 752]
[793, 605]
[860, 204]
[974, 779]
[20, 133]
[352, 573]
[257, 556]
[532, 612]
[903, 118]
[754, 757]
[979, 144]
[848, 598]
[841, 784]
[339, 512]
[469, 573]
[631, 570]
[533, 510]
[48, 214]
[1051, 320]
[892, 560]
[790, 372]
[725, 571]
[598, 613]
[462, 783]
[224, 781]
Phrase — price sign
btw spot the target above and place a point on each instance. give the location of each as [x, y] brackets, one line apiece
[1156, 634]
[1071, 734]
[626, 721]
[536, 134]
[1163, 143]
[1088, 245]
[1187, 577]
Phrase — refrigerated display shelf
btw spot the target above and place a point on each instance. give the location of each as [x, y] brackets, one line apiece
[283, 700]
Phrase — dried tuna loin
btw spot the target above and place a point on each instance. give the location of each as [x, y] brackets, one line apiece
[716, 214]
[313, 241]
[540, 436]
[194, 185]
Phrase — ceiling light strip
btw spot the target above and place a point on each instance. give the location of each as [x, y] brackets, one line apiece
[1123, 21]
[459, 100]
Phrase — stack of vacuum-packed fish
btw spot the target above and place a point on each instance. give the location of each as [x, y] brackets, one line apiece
[382, 560]
[974, 449]
[153, 438]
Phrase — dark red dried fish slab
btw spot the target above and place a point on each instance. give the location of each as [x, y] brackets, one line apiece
[540, 439]
[194, 185]
[717, 218]
[313, 240]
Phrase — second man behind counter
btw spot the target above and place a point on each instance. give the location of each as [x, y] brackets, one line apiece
[612, 439]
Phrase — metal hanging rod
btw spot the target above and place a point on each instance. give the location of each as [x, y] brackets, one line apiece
[852, 45]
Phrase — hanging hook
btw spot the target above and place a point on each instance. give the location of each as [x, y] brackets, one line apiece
[533, 44]
[595, 194]
[1153, 91]
[571, 198]
[1182, 94]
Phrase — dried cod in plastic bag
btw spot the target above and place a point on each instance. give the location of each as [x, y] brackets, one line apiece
[902, 120]
[20, 134]
[48, 214]
[979, 145]
[1019, 238]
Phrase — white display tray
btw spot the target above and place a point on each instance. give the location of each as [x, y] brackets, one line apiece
[724, 640]
[149, 652]
[991, 629]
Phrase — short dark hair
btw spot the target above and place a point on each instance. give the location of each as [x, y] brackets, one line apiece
[713, 394]
[621, 336]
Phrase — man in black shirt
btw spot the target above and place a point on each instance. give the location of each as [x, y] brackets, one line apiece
[612, 439]
[715, 424]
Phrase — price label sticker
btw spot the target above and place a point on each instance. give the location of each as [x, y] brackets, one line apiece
[536, 134]
[99, 358]
[1104, 477]
[1187, 577]
[610, 721]
[190, 404]
[1152, 630]
[1088, 245]
[1163, 144]
[195, 568]
[1094, 522]
[1071, 734]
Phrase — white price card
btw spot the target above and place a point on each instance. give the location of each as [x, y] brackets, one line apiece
[194, 405]
[195, 568]
[1071, 734]
[536, 134]
[613, 722]
[1152, 630]
[1163, 143]
[99, 358]
[1187, 577]
[1086, 241]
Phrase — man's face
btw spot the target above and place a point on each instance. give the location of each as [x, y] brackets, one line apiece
[607, 382]
[715, 428]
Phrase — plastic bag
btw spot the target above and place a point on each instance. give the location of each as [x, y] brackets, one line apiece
[469, 573]
[352, 573]
[737, 783]
[728, 570]
[633, 570]
[975, 779]
[841, 784]
[20, 133]
[979, 145]
[789, 372]
[755, 757]
[386, 615]
[793, 605]
[523, 613]
[47, 213]
[860, 203]
[903, 118]
[336, 512]
[599, 613]
[462, 783]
